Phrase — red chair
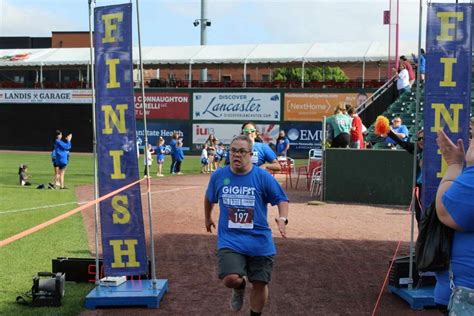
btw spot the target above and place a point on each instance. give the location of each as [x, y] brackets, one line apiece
[314, 161]
[286, 169]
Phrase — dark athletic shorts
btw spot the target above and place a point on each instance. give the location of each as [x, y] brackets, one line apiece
[54, 163]
[257, 268]
[61, 166]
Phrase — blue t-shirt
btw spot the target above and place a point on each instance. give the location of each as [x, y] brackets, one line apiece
[401, 129]
[173, 148]
[62, 152]
[460, 205]
[161, 152]
[179, 153]
[251, 192]
[282, 143]
[261, 153]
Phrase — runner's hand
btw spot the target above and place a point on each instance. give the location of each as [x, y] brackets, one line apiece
[209, 224]
[281, 226]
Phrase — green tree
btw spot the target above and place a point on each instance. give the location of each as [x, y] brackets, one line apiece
[311, 73]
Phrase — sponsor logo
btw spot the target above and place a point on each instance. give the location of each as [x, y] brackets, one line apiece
[293, 134]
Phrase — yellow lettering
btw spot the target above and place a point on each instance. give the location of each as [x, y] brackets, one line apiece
[112, 63]
[121, 214]
[446, 26]
[111, 115]
[129, 252]
[451, 121]
[116, 154]
[448, 72]
[110, 24]
[443, 168]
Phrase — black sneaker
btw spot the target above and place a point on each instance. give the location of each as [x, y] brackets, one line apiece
[51, 186]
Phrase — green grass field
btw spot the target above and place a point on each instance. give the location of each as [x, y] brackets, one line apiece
[25, 207]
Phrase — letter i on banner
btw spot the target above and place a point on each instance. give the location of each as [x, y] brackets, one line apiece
[122, 229]
[448, 86]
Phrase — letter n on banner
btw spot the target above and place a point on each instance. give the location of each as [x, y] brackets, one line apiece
[448, 86]
[123, 236]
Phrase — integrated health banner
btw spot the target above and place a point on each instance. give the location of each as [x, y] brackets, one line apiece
[123, 236]
[448, 86]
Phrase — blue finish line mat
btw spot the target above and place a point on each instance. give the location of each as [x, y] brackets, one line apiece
[130, 293]
[417, 298]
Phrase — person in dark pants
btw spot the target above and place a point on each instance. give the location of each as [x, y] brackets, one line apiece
[244, 239]
[340, 124]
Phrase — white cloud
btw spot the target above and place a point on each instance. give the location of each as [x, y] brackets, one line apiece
[32, 20]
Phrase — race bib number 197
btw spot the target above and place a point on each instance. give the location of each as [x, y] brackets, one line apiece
[241, 218]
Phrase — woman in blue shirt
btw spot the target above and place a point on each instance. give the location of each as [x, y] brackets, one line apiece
[263, 156]
[455, 209]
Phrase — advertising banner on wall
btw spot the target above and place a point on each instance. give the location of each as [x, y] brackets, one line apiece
[163, 105]
[48, 96]
[165, 130]
[447, 88]
[121, 218]
[226, 132]
[313, 106]
[303, 136]
[238, 106]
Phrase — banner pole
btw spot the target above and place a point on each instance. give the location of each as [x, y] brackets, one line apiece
[415, 153]
[94, 146]
[150, 211]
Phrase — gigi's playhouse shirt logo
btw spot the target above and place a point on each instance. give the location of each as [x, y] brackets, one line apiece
[237, 106]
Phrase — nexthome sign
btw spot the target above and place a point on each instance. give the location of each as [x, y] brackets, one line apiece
[45, 96]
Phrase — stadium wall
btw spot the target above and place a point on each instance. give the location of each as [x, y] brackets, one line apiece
[28, 118]
[368, 176]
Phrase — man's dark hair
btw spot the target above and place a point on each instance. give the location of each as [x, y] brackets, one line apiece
[351, 110]
[403, 58]
[245, 138]
[247, 123]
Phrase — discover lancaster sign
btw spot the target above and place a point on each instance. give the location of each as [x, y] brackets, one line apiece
[45, 96]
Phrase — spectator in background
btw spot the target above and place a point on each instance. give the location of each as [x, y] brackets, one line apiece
[204, 159]
[179, 156]
[411, 74]
[357, 137]
[55, 180]
[340, 125]
[23, 175]
[219, 155]
[262, 156]
[211, 150]
[421, 64]
[174, 140]
[361, 98]
[403, 82]
[63, 146]
[160, 153]
[282, 144]
[148, 159]
[399, 130]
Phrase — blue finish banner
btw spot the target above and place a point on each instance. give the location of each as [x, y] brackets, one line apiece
[121, 219]
[448, 86]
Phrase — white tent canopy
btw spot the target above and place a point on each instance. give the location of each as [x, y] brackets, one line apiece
[212, 54]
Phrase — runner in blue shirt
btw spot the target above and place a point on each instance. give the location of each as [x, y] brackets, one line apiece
[244, 239]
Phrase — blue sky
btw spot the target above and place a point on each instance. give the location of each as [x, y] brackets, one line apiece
[169, 23]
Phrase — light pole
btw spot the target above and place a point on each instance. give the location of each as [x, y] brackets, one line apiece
[205, 23]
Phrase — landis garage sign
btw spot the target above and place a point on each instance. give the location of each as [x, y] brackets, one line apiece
[45, 96]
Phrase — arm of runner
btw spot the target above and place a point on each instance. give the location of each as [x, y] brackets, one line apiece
[208, 222]
[273, 166]
[283, 214]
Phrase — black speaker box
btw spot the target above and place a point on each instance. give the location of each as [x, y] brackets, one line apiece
[84, 269]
